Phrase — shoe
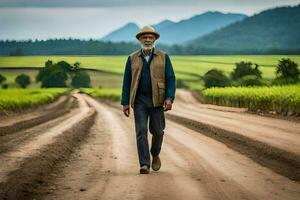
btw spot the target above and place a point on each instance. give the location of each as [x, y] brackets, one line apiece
[144, 169]
[156, 164]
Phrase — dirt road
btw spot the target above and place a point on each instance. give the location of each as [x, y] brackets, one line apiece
[90, 153]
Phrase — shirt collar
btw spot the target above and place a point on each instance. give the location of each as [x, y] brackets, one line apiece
[153, 51]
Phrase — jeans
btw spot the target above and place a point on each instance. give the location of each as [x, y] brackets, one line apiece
[156, 127]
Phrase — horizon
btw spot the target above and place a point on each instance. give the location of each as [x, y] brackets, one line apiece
[42, 22]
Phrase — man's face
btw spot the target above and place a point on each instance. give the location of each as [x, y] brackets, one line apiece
[147, 41]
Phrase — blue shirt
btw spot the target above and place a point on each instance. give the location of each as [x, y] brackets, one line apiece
[144, 91]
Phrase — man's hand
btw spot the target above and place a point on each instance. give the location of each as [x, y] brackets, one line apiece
[126, 110]
[167, 105]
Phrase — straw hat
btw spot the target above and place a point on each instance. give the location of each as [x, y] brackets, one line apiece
[145, 30]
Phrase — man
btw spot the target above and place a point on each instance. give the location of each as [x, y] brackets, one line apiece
[149, 88]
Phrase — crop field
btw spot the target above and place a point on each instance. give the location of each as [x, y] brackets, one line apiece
[108, 81]
[15, 99]
[278, 99]
[187, 68]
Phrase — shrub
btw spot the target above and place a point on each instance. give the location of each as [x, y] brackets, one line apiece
[5, 86]
[287, 72]
[56, 78]
[23, 80]
[2, 78]
[81, 79]
[215, 78]
[245, 68]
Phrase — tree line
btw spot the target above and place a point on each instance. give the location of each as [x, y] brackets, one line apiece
[95, 47]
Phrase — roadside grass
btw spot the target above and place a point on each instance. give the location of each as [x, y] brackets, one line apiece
[16, 99]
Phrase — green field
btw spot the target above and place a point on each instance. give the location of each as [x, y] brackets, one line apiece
[187, 68]
[16, 99]
[113, 94]
[98, 79]
[276, 99]
[107, 82]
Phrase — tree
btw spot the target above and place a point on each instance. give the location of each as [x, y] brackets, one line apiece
[287, 71]
[44, 71]
[17, 52]
[2, 79]
[23, 80]
[244, 69]
[65, 66]
[56, 77]
[48, 63]
[76, 66]
[215, 78]
[53, 75]
[81, 79]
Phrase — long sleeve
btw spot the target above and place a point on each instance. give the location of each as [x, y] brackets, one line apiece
[126, 83]
[170, 79]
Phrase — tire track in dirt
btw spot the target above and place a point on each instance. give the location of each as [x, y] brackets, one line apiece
[281, 133]
[274, 143]
[23, 167]
[15, 139]
[225, 173]
[17, 122]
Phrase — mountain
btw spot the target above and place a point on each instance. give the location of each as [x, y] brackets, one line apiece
[123, 34]
[273, 29]
[162, 25]
[197, 26]
[179, 32]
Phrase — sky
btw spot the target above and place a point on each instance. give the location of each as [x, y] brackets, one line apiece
[85, 19]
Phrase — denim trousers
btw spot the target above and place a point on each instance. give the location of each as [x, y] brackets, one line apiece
[156, 118]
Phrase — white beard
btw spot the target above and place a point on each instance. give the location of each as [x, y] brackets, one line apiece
[144, 47]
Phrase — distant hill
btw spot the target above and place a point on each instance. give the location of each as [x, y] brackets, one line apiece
[123, 34]
[180, 32]
[273, 29]
[196, 26]
[163, 24]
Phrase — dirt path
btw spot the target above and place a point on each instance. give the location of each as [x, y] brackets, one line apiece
[194, 167]
[280, 133]
[104, 165]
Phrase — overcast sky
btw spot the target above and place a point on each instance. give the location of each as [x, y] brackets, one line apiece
[43, 19]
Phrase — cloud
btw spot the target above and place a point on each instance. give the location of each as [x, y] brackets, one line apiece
[88, 3]
[120, 3]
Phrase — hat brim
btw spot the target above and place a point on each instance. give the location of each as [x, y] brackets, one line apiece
[143, 33]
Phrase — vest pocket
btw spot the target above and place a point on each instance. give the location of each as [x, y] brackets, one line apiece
[161, 91]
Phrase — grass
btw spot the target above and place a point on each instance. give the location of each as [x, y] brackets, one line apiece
[16, 99]
[276, 99]
[182, 64]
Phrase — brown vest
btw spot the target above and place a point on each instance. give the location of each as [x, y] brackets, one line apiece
[157, 72]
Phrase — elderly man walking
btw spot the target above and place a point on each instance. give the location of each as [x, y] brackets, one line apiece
[149, 88]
